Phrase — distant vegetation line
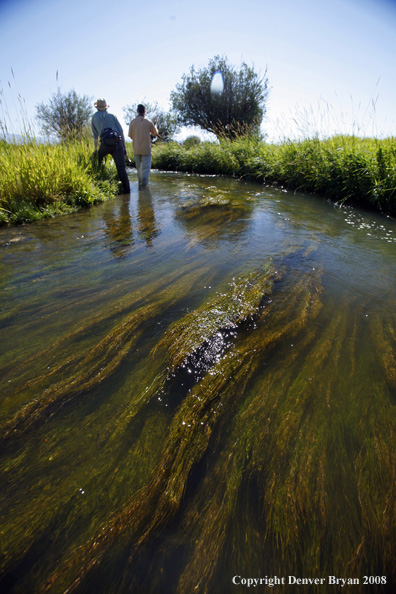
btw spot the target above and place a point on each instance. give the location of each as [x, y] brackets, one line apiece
[346, 169]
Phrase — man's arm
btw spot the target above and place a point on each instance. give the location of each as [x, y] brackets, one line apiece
[130, 133]
[94, 133]
[120, 131]
[154, 130]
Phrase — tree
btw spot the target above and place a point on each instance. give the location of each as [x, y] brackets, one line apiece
[236, 109]
[66, 115]
[166, 123]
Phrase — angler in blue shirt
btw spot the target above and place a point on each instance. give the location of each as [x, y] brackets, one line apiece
[107, 132]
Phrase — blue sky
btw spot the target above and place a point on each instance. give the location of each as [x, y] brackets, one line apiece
[330, 65]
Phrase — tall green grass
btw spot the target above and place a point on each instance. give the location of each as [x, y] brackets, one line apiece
[43, 180]
[359, 171]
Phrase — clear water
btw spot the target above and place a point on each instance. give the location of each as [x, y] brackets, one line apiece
[153, 440]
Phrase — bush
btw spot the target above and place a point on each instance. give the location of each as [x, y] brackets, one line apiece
[191, 141]
[66, 115]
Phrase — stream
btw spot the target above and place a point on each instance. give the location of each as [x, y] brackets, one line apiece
[198, 389]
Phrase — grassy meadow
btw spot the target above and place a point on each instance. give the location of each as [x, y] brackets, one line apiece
[346, 169]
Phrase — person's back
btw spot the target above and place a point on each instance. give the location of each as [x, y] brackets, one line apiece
[140, 130]
[102, 120]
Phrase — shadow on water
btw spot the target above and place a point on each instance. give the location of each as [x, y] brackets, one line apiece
[198, 382]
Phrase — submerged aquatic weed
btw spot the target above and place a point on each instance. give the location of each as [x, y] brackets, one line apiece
[82, 371]
[241, 302]
[213, 214]
[196, 418]
[277, 451]
[284, 447]
[186, 342]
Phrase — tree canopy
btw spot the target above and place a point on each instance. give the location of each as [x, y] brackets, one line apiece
[65, 115]
[166, 123]
[237, 108]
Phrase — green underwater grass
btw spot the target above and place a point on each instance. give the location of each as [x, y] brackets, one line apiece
[279, 455]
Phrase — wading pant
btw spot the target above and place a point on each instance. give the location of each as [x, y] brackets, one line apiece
[117, 152]
[143, 166]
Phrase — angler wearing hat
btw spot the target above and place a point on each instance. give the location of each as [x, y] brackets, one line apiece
[107, 131]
